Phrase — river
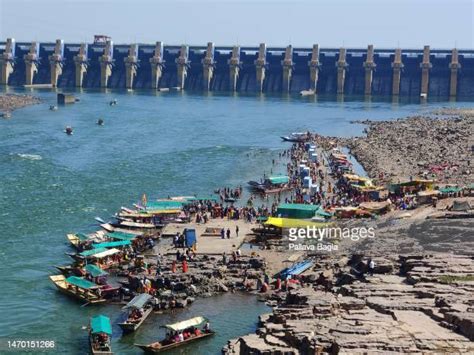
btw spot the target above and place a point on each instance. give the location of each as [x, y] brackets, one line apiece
[160, 144]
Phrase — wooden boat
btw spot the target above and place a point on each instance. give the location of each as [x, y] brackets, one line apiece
[164, 345]
[157, 347]
[99, 335]
[140, 303]
[78, 288]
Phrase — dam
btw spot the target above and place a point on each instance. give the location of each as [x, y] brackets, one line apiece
[424, 72]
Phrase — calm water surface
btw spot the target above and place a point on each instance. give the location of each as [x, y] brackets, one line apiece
[159, 144]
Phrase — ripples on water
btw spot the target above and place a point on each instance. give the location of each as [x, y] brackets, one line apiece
[163, 144]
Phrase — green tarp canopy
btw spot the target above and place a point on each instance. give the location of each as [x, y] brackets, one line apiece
[164, 205]
[297, 210]
[92, 251]
[262, 218]
[201, 198]
[121, 235]
[101, 324]
[323, 213]
[94, 270]
[280, 179]
[449, 190]
[471, 187]
[120, 243]
[80, 282]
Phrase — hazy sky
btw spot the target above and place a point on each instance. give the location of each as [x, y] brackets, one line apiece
[331, 23]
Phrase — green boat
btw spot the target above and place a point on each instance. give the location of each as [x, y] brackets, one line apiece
[100, 335]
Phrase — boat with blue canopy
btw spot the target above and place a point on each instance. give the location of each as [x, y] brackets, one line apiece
[100, 335]
[95, 271]
[78, 288]
[120, 243]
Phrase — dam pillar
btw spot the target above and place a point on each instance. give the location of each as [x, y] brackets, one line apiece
[56, 62]
[31, 63]
[314, 68]
[397, 67]
[106, 61]
[80, 63]
[425, 71]
[454, 66]
[131, 65]
[7, 61]
[183, 65]
[208, 66]
[260, 66]
[157, 64]
[369, 66]
[287, 64]
[341, 66]
[234, 68]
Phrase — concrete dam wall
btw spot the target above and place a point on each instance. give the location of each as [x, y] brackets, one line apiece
[384, 72]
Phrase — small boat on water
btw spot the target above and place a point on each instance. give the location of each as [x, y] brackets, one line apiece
[296, 137]
[99, 335]
[175, 332]
[271, 185]
[138, 309]
[78, 288]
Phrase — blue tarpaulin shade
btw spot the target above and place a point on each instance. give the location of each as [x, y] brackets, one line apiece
[120, 243]
[80, 282]
[280, 179]
[101, 324]
[121, 235]
[92, 251]
[94, 270]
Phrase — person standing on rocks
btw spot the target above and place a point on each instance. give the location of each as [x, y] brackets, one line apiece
[237, 231]
[222, 233]
[228, 233]
[371, 266]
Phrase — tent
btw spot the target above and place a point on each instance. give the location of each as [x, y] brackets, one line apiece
[297, 210]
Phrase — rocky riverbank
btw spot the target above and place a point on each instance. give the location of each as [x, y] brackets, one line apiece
[438, 147]
[10, 102]
[412, 304]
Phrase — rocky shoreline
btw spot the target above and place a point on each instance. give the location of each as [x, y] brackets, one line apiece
[412, 304]
[433, 147]
[10, 102]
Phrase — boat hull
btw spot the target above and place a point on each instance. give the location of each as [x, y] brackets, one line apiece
[131, 327]
[155, 348]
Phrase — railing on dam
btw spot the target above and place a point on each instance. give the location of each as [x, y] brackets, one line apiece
[383, 72]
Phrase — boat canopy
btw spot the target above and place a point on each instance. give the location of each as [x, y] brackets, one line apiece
[163, 205]
[95, 271]
[279, 179]
[106, 252]
[92, 252]
[81, 236]
[297, 210]
[80, 282]
[101, 324]
[193, 322]
[138, 301]
[293, 223]
[121, 235]
[201, 198]
[120, 243]
[450, 189]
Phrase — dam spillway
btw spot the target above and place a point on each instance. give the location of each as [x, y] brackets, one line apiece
[427, 72]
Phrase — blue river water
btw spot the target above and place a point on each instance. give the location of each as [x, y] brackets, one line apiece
[155, 143]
